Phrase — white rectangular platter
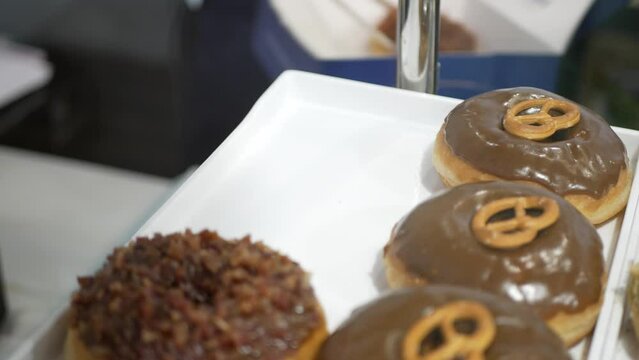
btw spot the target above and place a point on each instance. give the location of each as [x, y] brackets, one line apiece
[321, 169]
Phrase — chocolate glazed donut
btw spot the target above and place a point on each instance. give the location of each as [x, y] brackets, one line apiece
[586, 163]
[376, 330]
[559, 273]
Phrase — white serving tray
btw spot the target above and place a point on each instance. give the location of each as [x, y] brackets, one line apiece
[614, 333]
[321, 169]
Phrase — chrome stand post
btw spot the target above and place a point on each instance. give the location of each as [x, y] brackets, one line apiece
[417, 45]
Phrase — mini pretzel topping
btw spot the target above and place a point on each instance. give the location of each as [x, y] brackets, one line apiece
[455, 343]
[542, 124]
[517, 231]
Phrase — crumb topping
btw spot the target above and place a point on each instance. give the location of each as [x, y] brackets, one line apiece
[195, 296]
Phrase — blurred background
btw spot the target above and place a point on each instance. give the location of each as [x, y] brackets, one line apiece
[147, 85]
[155, 85]
[106, 105]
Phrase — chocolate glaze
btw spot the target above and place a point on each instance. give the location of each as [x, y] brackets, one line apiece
[584, 159]
[376, 330]
[560, 270]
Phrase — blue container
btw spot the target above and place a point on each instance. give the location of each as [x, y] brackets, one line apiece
[461, 75]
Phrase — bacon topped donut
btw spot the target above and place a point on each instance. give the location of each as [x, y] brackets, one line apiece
[195, 296]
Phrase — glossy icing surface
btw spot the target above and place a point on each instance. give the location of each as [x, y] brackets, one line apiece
[584, 159]
[376, 330]
[560, 270]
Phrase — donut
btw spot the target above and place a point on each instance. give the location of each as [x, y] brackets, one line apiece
[195, 296]
[403, 322]
[565, 148]
[510, 239]
[632, 297]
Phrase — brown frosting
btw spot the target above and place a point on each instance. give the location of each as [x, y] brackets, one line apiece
[376, 330]
[584, 159]
[559, 271]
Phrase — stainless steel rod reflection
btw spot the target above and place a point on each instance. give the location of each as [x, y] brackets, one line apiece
[417, 45]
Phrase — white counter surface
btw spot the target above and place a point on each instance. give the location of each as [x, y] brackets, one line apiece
[22, 70]
[58, 219]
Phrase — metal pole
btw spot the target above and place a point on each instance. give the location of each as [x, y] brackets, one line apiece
[417, 45]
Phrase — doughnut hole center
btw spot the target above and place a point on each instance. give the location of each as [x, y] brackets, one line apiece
[531, 111]
[508, 214]
[465, 326]
[559, 135]
[502, 216]
[534, 212]
[433, 341]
